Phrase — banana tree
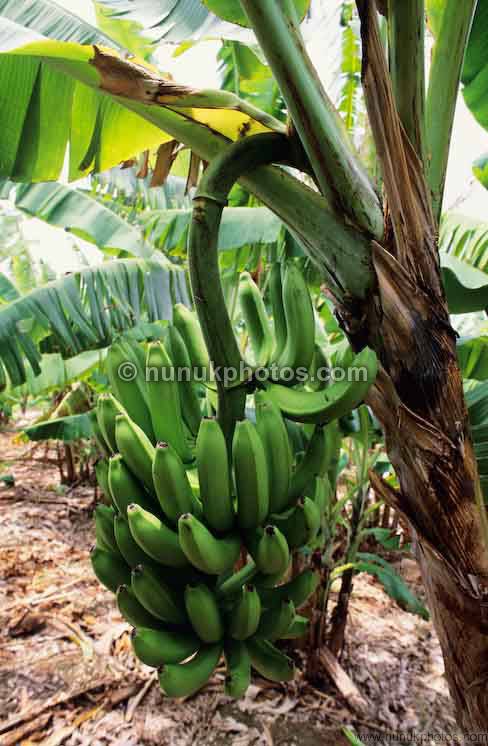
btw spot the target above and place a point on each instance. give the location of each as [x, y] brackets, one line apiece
[378, 256]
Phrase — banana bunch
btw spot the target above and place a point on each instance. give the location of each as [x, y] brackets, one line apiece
[291, 344]
[198, 537]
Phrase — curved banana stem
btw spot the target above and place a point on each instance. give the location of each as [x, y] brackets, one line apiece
[208, 205]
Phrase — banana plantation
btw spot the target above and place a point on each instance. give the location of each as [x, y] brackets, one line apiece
[243, 372]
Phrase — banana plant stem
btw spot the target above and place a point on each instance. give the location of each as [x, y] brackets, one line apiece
[208, 205]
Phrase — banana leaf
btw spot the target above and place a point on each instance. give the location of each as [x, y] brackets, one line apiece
[67, 429]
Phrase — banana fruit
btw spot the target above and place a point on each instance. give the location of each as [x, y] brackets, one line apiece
[157, 647]
[204, 613]
[184, 679]
[255, 318]
[274, 437]
[214, 477]
[338, 399]
[251, 476]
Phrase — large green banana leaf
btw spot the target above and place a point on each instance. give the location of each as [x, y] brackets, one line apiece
[465, 238]
[466, 287]
[86, 310]
[8, 291]
[480, 169]
[477, 403]
[186, 20]
[63, 77]
[57, 373]
[53, 21]
[473, 357]
[70, 428]
[78, 212]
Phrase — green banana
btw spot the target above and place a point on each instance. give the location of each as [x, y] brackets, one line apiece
[320, 407]
[136, 449]
[104, 529]
[157, 597]
[300, 524]
[300, 320]
[155, 538]
[187, 324]
[125, 489]
[107, 410]
[206, 552]
[238, 676]
[204, 613]
[269, 661]
[314, 463]
[97, 433]
[184, 679]
[128, 392]
[130, 551]
[298, 590]
[245, 615]
[276, 622]
[274, 436]
[298, 628]
[190, 402]
[213, 476]
[279, 319]
[317, 380]
[134, 612]
[251, 475]
[164, 400]
[101, 473]
[110, 569]
[256, 319]
[321, 493]
[156, 647]
[231, 583]
[272, 553]
[171, 483]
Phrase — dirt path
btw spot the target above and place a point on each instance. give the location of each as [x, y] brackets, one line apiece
[67, 674]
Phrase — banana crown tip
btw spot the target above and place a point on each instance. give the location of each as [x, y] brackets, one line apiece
[249, 587]
[162, 444]
[270, 530]
[138, 570]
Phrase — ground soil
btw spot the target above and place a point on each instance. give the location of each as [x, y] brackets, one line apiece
[67, 674]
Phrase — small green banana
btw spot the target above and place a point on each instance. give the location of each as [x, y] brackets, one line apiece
[204, 613]
[206, 552]
[129, 392]
[298, 590]
[213, 476]
[300, 524]
[157, 540]
[164, 400]
[136, 449]
[256, 319]
[171, 483]
[190, 401]
[187, 324]
[238, 675]
[157, 597]
[97, 433]
[104, 529]
[272, 553]
[300, 320]
[338, 399]
[110, 569]
[321, 493]
[279, 319]
[276, 622]
[125, 489]
[130, 551]
[319, 370]
[251, 475]
[298, 628]
[245, 614]
[134, 612]
[101, 473]
[314, 463]
[184, 679]
[274, 436]
[157, 647]
[269, 661]
[107, 410]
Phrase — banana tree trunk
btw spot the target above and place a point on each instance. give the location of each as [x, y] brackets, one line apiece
[418, 398]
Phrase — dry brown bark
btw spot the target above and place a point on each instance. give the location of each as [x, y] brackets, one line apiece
[418, 398]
